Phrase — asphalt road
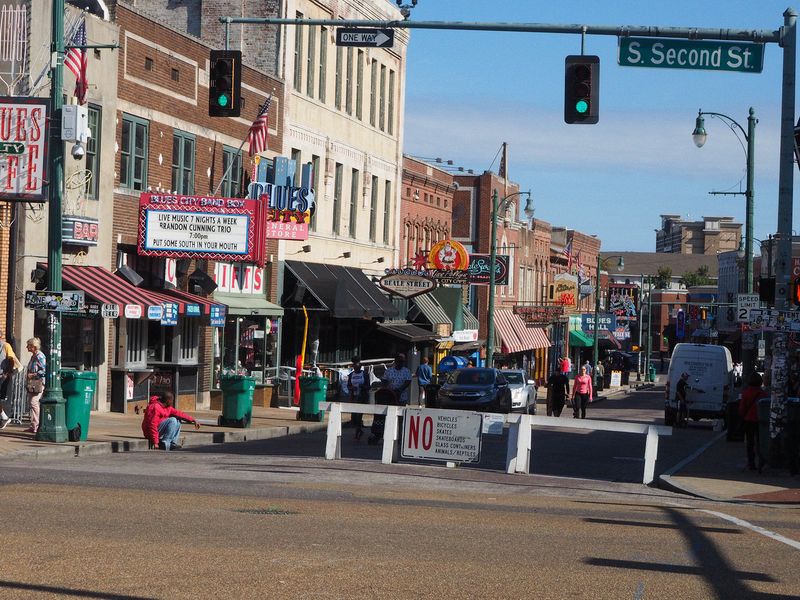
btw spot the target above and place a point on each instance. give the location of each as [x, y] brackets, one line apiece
[272, 519]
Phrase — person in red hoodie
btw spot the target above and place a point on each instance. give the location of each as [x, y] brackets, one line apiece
[162, 422]
[748, 411]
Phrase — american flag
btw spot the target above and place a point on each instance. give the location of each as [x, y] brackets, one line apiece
[568, 253]
[76, 61]
[258, 130]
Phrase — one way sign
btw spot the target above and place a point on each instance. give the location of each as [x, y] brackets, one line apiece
[365, 38]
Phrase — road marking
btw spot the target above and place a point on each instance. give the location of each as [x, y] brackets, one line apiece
[694, 455]
[639, 591]
[765, 532]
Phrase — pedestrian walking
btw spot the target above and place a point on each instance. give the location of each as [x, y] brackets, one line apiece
[34, 380]
[601, 375]
[358, 387]
[748, 411]
[424, 375]
[588, 366]
[162, 422]
[396, 378]
[581, 394]
[557, 393]
[9, 364]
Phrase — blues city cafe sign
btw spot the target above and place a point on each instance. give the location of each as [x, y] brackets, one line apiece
[480, 269]
[290, 203]
[24, 130]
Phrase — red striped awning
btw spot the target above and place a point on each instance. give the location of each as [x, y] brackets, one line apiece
[510, 342]
[103, 286]
[516, 335]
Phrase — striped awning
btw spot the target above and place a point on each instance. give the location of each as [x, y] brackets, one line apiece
[429, 306]
[103, 286]
[516, 336]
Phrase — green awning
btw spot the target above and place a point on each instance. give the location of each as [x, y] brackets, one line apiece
[241, 304]
[580, 339]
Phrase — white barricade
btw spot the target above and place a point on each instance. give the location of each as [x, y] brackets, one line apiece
[519, 434]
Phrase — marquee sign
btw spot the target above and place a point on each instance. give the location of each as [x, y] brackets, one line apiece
[407, 286]
[79, 231]
[24, 127]
[175, 226]
[480, 269]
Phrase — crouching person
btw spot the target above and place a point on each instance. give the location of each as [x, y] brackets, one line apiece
[162, 422]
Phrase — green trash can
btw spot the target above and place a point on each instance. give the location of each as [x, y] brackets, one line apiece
[78, 388]
[651, 374]
[237, 400]
[763, 426]
[313, 390]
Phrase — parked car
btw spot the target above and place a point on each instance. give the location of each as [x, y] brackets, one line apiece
[485, 390]
[523, 390]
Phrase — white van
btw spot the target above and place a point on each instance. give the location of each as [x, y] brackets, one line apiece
[711, 378]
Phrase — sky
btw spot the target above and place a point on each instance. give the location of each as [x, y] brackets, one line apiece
[467, 92]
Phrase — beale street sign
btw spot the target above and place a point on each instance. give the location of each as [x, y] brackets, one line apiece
[667, 53]
[407, 286]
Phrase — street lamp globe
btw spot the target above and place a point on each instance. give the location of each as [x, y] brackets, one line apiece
[529, 210]
[621, 264]
[699, 135]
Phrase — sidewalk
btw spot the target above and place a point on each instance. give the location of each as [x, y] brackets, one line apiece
[719, 472]
[115, 432]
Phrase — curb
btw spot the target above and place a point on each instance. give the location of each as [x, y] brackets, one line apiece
[666, 482]
[69, 450]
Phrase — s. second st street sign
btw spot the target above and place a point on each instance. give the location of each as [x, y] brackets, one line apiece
[667, 53]
[365, 38]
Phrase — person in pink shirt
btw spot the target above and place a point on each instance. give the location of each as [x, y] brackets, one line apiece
[581, 394]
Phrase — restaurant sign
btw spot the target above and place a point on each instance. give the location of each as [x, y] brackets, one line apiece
[176, 226]
[24, 125]
[480, 269]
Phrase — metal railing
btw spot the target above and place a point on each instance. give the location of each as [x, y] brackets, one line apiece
[17, 398]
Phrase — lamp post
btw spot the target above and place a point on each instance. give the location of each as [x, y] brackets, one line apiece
[497, 205]
[595, 350]
[699, 136]
[53, 420]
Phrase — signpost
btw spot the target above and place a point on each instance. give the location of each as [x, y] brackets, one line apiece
[665, 53]
[448, 435]
[365, 38]
[744, 303]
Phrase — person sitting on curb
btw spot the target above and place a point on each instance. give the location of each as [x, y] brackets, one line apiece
[162, 423]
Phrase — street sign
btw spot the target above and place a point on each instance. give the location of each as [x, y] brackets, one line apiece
[744, 302]
[12, 148]
[667, 53]
[449, 435]
[407, 286]
[365, 38]
[762, 349]
[57, 301]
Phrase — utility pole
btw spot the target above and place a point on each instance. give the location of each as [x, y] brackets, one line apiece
[53, 426]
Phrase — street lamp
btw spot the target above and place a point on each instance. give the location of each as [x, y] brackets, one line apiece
[52, 426]
[601, 262]
[699, 136]
[498, 205]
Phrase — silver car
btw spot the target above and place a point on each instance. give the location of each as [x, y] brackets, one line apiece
[523, 391]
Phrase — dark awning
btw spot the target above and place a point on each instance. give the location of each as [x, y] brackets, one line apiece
[345, 291]
[407, 331]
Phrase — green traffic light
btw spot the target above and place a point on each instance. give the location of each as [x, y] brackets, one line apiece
[222, 100]
[581, 106]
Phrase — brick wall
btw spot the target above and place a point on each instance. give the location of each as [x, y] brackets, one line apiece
[426, 207]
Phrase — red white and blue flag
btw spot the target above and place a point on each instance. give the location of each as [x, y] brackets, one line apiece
[568, 253]
[76, 61]
[258, 130]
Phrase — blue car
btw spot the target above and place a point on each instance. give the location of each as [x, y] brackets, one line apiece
[483, 390]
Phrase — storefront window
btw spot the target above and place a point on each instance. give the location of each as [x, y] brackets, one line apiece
[246, 346]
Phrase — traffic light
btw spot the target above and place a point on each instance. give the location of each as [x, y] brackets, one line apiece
[582, 89]
[225, 83]
[796, 291]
